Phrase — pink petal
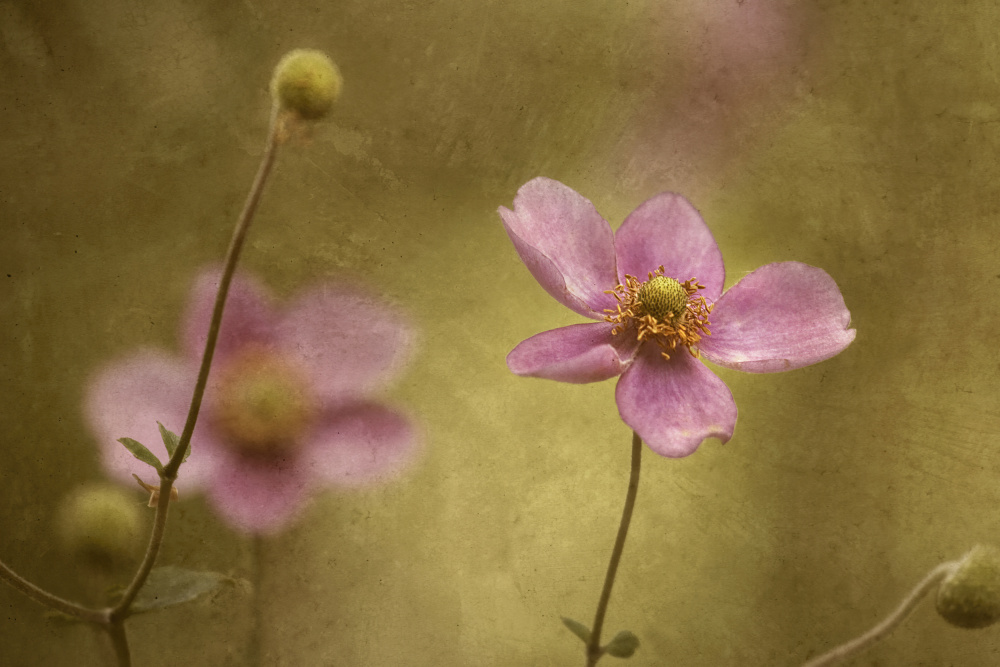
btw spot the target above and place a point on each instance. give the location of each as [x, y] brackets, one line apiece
[348, 342]
[667, 230]
[260, 495]
[674, 405]
[565, 243]
[781, 316]
[361, 445]
[128, 397]
[578, 353]
[247, 319]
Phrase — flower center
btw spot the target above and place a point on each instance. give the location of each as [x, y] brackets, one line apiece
[661, 309]
[262, 403]
[663, 298]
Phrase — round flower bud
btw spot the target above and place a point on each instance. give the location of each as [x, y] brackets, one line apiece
[306, 82]
[99, 524]
[970, 596]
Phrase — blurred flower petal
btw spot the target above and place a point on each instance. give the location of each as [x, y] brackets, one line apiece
[362, 444]
[347, 341]
[260, 496]
[247, 319]
[128, 397]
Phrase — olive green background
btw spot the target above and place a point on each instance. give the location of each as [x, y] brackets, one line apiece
[865, 144]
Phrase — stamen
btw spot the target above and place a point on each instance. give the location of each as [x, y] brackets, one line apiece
[656, 320]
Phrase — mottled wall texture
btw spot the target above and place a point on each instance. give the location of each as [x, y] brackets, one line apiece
[861, 137]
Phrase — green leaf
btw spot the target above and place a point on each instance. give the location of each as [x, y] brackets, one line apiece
[623, 645]
[140, 452]
[171, 440]
[577, 628]
[169, 585]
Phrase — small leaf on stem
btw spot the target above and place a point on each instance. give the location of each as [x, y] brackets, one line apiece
[140, 452]
[169, 585]
[154, 491]
[623, 645]
[577, 628]
[171, 440]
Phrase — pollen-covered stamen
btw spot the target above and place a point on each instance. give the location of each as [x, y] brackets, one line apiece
[661, 309]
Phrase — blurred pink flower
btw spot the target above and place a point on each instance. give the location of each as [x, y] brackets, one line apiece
[723, 76]
[287, 408]
[779, 317]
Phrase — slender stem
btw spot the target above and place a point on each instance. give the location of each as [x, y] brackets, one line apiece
[119, 640]
[232, 256]
[881, 631]
[120, 610]
[255, 645]
[50, 600]
[169, 473]
[594, 651]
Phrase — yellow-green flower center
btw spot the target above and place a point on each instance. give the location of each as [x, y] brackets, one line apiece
[664, 299]
[263, 403]
[661, 309]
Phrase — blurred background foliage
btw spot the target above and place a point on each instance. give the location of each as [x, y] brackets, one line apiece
[857, 136]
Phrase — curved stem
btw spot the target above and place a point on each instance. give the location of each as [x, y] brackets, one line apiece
[120, 610]
[169, 473]
[594, 651]
[232, 257]
[882, 630]
[119, 640]
[50, 600]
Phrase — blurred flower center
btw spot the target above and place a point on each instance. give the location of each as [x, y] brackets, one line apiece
[661, 309]
[262, 403]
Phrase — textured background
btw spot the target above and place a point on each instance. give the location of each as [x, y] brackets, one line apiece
[856, 136]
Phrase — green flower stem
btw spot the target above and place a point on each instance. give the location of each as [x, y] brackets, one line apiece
[275, 131]
[48, 599]
[119, 640]
[255, 644]
[169, 473]
[881, 631]
[594, 651]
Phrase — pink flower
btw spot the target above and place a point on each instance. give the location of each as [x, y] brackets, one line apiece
[652, 327]
[288, 405]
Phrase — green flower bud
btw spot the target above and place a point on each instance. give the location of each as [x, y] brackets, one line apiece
[99, 524]
[970, 596]
[306, 82]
